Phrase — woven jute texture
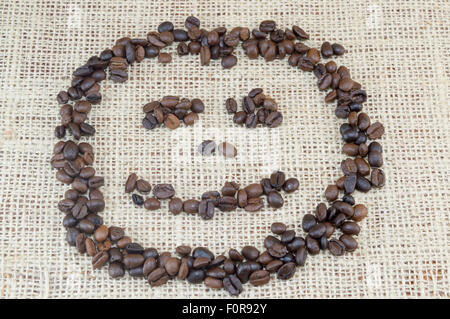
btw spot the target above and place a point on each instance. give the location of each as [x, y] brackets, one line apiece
[398, 50]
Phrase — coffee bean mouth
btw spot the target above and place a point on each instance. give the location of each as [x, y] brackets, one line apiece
[281, 253]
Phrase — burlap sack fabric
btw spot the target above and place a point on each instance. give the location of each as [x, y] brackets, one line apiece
[398, 50]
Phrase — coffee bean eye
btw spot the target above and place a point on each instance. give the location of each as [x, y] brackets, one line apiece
[280, 253]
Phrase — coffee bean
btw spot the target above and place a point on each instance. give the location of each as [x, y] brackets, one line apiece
[278, 228]
[336, 247]
[375, 131]
[250, 252]
[231, 105]
[377, 178]
[312, 245]
[190, 206]
[233, 285]
[152, 204]
[143, 186]
[349, 242]
[287, 236]
[164, 58]
[375, 159]
[240, 117]
[275, 200]
[137, 199]
[158, 277]
[331, 193]
[274, 119]
[338, 49]
[100, 259]
[130, 184]
[350, 228]
[172, 122]
[286, 271]
[163, 191]
[175, 205]
[196, 276]
[254, 190]
[317, 231]
[308, 222]
[229, 61]
[350, 183]
[290, 185]
[259, 277]
[172, 266]
[227, 149]
[326, 49]
[206, 209]
[227, 203]
[299, 33]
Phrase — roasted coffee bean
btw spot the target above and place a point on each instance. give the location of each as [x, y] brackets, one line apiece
[348, 199]
[201, 262]
[317, 231]
[349, 242]
[137, 199]
[175, 205]
[130, 184]
[71, 236]
[300, 256]
[194, 47]
[274, 119]
[375, 159]
[350, 149]
[350, 183]
[277, 179]
[190, 206]
[231, 105]
[152, 204]
[219, 260]
[336, 247]
[344, 208]
[264, 258]
[350, 228]
[115, 255]
[254, 190]
[206, 209]
[172, 266]
[286, 271]
[254, 204]
[295, 244]
[202, 252]
[227, 149]
[100, 259]
[338, 49]
[172, 122]
[191, 21]
[248, 105]
[196, 276]
[149, 122]
[377, 178]
[86, 226]
[143, 186]
[375, 131]
[242, 198]
[299, 33]
[250, 252]
[312, 245]
[213, 283]
[267, 26]
[229, 189]
[229, 61]
[240, 117]
[363, 184]
[277, 250]
[101, 234]
[233, 285]
[207, 148]
[259, 277]
[321, 212]
[164, 58]
[244, 270]
[158, 277]
[287, 236]
[348, 166]
[290, 185]
[331, 193]
[69, 221]
[274, 265]
[123, 242]
[163, 191]
[278, 228]
[251, 121]
[183, 250]
[326, 49]
[270, 241]
[308, 222]
[227, 203]
[133, 260]
[266, 186]
[275, 200]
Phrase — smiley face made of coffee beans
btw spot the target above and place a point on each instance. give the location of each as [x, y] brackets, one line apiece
[283, 252]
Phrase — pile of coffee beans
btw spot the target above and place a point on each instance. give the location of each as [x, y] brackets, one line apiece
[171, 110]
[84, 201]
[257, 108]
[230, 197]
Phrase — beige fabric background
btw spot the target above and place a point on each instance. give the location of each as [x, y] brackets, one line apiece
[398, 50]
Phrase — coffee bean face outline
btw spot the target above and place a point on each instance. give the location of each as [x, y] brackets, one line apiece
[283, 254]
